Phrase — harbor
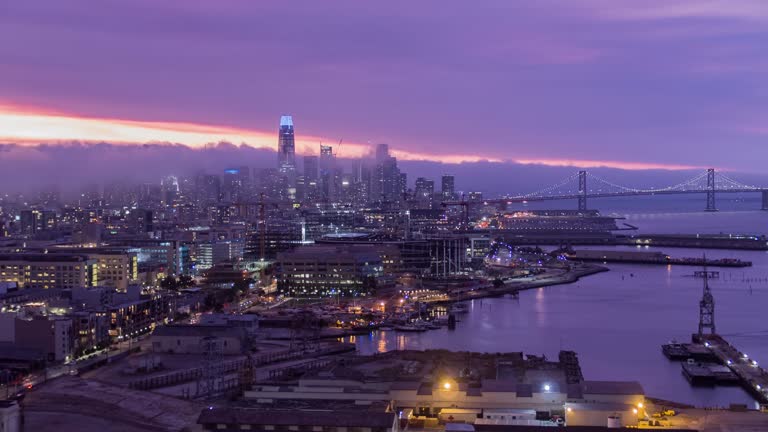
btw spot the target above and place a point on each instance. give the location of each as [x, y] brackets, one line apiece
[698, 241]
[731, 364]
[645, 257]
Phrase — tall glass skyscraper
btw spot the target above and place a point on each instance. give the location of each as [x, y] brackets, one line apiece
[286, 149]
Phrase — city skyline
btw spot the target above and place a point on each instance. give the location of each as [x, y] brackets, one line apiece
[548, 83]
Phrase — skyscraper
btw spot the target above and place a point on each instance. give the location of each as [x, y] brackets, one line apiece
[382, 152]
[448, 189]
[286, 149]
[311, 182]
[327, 173]
[423, 191]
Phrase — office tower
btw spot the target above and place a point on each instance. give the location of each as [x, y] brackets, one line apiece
[382, 152]
[448, 189]
[35, 221]
[327, 179]
[272, 183]
[387, 183]
[236, 183]
[286, 149]
[307, 187]
[423, 192]
[310, 167]
[169, 189]
[207, 190]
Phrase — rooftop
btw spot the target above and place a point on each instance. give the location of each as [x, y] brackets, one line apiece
[295, 418]
[613, 387]
[198, 330]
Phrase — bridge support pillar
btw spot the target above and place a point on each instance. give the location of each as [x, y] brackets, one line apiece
[711, 207]
[765, 200]
[582, 190]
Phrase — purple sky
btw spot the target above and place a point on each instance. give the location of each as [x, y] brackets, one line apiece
[652, 81]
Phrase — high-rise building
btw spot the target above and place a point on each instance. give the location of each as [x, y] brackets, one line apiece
[387, 182]
[382, 152]
[34, 221]
[309, 190]
[286, 149]
[423, 192]
[310, 167]
[448, 190]
[327, 173]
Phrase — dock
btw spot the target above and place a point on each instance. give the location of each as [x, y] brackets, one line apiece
[711, 360]
[644, 257]
[708, 374]
[678, 351]
[752, 377]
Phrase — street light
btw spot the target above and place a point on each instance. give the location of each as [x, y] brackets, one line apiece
[547, 387]
[447, 386]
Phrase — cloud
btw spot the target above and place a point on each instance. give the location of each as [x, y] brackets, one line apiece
[742, 10]
[652, 82]
[69, 166]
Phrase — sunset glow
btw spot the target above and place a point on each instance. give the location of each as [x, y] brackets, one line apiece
[32, 127]
[604, 164]
[35, 127]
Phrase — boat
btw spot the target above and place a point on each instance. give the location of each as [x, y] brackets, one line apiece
[409, 328]
[386, 328]
[459, 308]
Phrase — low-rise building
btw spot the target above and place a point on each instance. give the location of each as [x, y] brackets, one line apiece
[329, 270]
[248, 322]
[191, 339]
[43, 270]
[239, 419]
[48, 334]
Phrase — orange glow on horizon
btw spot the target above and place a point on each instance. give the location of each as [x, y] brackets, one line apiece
[30, 126]
[604, 164]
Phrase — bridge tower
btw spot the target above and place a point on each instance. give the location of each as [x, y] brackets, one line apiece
[706, 307]
[765, 200]
[711, 190]
[582, 190]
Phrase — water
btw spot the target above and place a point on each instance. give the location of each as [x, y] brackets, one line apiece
[616, 322]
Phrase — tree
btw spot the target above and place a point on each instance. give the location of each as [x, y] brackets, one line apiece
[186, 281]
[169, 283]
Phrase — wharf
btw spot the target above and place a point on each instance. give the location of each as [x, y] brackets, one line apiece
[678, 351]
[514, 286]
[642, 257]
[743, 370]
[691, 241]
[708, 374]
[753, 378]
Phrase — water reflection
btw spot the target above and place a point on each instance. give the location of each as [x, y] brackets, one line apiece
[615, 322]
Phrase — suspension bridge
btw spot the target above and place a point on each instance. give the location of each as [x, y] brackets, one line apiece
[583, 185]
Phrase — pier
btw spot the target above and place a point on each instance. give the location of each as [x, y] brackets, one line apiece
[752, 377]
[690, 241]
[643, 257]
[707, 345]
